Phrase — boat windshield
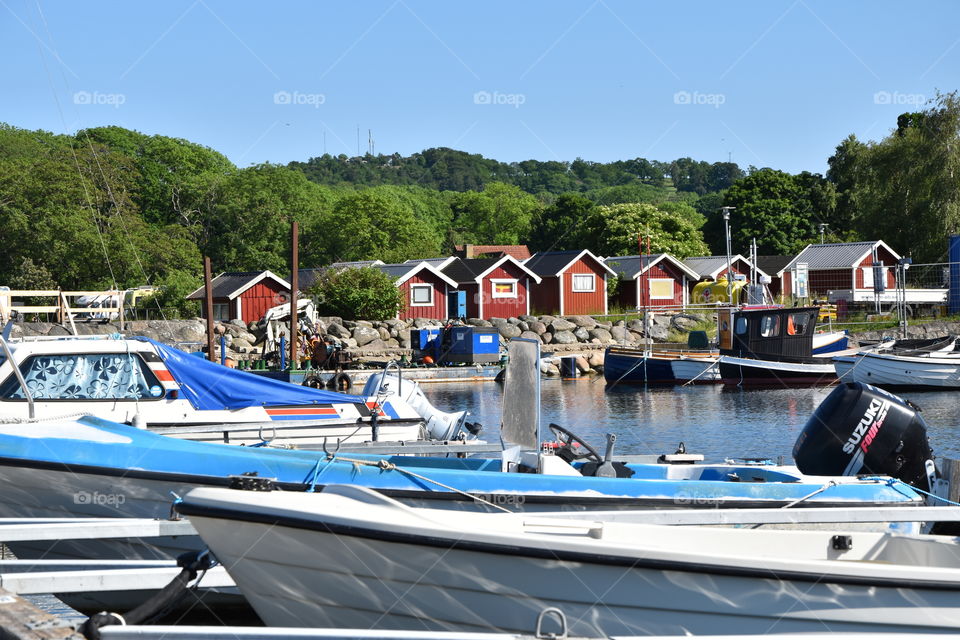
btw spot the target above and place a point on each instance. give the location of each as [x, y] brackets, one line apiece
[89, 376]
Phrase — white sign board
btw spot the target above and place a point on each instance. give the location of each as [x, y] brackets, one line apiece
[800, 280]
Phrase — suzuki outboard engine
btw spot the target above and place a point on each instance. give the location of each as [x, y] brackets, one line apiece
[860, 429]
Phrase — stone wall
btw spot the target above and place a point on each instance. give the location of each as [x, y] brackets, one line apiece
[386, 338]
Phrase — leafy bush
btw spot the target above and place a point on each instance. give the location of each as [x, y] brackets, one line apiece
[365, 293]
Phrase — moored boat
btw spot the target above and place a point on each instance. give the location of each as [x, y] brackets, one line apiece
[137, 380]
[356, 559]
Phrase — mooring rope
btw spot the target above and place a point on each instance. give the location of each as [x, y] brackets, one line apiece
[386, 465]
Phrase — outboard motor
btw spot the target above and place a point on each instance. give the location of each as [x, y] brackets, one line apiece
[860, 429]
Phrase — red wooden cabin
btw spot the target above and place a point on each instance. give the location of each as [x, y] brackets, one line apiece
[244, 295]
[572, 283]
[495, 287]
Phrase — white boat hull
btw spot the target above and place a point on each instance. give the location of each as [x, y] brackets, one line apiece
[366, 568]
[890, 370]
[701, 370]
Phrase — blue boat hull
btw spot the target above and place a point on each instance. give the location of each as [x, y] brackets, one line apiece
[628, 368]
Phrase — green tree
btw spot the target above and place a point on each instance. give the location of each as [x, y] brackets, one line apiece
[365, 293]
[771, 208]
[378, 226]
[558, 227]
[500, 214]
[904, 188]
[616, 231]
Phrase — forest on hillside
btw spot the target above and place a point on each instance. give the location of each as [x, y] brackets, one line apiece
[109, 207]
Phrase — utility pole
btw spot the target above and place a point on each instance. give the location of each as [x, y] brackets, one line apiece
[726, 223]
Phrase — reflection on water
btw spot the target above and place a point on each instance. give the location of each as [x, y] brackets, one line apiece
[713, 420]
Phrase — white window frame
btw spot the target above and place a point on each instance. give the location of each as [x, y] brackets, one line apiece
[650, 288]
[221, 311]
[513, 287]
[593, 282]
[867, 277]
[413, 288]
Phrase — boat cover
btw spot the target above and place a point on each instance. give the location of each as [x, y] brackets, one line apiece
[212, 386]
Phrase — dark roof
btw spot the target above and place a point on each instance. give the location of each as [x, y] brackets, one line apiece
[837, 255]
[629, 266]
[227, 283]
[306, 278]
[772, 265]
[396, 270]
[548, 263]
[462, 270]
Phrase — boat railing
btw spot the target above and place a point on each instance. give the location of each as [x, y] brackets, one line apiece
[8, 356]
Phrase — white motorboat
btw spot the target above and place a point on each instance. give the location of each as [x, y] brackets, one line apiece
[350, 558]
[143, 382]
[895, 369]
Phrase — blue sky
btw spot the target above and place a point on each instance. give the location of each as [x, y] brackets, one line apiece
[774, 83]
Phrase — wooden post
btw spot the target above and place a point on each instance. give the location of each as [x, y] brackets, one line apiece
[208, 290]
[950, 469]
[294, 268]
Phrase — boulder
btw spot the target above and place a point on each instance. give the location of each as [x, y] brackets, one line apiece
[583, 366]
[563, 337]
[601, 334]
[562, 325]
[583, 321]
[549, 369]
[422, 323]
[524, 326]
[509, 331]
[581, 334]
[384, 333]
[363, 323]
[546, 337]
[684, 322]
[636, 325]
[538, 327]
[530, 335]
[528, 319]
[659, 333]
[478, 322]
[365, 335]
[596, 359]
[547, 319]
[338, 330]
[375, 345]
[515, 321]
[620, 334]
[606, 324]
[393, 344]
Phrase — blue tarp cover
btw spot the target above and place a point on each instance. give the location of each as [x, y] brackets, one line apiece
[212, 386]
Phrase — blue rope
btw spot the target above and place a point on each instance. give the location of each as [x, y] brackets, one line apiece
[892, 482]
[317, 472]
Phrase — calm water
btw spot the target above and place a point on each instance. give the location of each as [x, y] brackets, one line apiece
[710, 419]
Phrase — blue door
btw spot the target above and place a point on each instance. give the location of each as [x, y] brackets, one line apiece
[457, 304]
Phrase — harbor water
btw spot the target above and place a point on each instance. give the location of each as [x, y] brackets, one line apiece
[719, 422]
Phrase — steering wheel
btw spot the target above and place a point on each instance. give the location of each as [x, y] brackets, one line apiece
[566, 439]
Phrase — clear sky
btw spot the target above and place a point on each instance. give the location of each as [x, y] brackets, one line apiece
[773, 83]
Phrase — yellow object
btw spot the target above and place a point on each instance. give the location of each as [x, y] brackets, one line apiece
[709, 292]
[827, 312]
